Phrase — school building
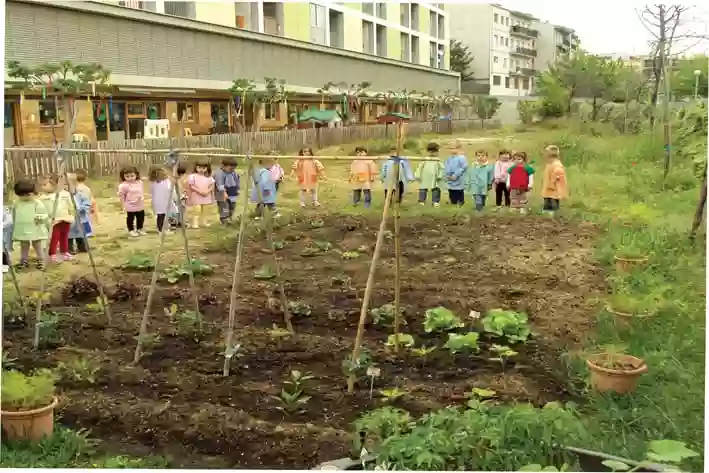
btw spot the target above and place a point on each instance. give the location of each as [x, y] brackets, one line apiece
[171, 60]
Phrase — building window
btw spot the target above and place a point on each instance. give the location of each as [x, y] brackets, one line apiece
[415, 50]
[504, 62]
[48, 112]
[317, 15]
[507, 41]
[368, 8]
[495, 59]
[368, 37]
[497, 18]
[495, 80]
[270, 110]
[432, 48]
[381, 9]
[405, 47]
[433, 24]
[507, 21]
[185, 111]
[507, 82]
[497, 40]
[183, 9]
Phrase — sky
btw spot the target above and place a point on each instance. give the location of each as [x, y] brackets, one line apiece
[607, 26]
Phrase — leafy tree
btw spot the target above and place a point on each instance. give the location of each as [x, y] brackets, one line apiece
[485, 108]
[684, 80]
[460, 59]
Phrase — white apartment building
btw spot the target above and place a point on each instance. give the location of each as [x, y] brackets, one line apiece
[503, 44]
[554, 42]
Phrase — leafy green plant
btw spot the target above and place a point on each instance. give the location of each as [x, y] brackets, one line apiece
[463, 343]
[299, 308]
[383, 423]
[538, 467]
[359, 366]
[422, 352]
[317, 223]
[322, 245]
[659, 451]
[405, 340]
[441, 319]
[187, 322]
[310, 251]
[80, 370]
[175, 272]
[148, 341]
[49, 328]
[631, 245]
[625, 303]
[384, 315]
[391, 395]
[293, 399]
[139, 262]
[509, 324]
[350, 255]
[278, 244]
[479, 397]
[264, 273]
[22, 392]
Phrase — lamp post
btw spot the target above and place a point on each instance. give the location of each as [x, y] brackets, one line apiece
[697, 74]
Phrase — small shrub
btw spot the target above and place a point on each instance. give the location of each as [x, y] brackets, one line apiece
[21, 392]
[80, 370]
[463, 343]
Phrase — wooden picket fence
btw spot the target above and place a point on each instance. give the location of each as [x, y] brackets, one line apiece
[32, 162]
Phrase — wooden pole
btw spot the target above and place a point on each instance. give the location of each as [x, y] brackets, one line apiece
[368, 289]
[701, 208]
[397, 242]
[154, 277]
[69, 127]
[16, 284]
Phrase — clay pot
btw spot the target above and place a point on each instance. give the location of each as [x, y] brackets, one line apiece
[625, 265]
[623, 320]
[621, 381]
[29, 425]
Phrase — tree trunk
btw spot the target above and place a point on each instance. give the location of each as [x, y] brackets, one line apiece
[594, 111]
[701, 206]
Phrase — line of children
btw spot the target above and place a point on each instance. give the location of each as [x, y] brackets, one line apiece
[455, 169]
[481, 178]
[226, 190]
[520, 178]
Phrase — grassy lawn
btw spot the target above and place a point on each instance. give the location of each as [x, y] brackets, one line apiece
[615, 182]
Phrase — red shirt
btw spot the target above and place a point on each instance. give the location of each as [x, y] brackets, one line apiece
[519, 177]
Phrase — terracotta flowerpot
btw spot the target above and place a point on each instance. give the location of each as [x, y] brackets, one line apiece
[625, 265]
[623, 320]
[29, 425]
[619, 380]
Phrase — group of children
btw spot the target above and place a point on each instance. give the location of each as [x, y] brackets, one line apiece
[52, 215]
[510, 176]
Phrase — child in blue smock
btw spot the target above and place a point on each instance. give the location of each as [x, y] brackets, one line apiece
[454, 172]
[263, 181]
[388, 172]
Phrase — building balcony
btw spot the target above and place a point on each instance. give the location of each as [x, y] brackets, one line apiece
[520, 30]
[524, 52]
[523, 71]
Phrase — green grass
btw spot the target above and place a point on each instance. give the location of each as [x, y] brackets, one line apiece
[70, 449]
[616, 181]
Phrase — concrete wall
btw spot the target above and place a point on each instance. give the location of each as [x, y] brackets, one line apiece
[146, 49]
[471, 24]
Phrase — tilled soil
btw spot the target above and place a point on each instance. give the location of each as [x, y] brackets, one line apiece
[177, 395]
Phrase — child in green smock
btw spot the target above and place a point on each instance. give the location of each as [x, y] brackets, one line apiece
[429, 175]
[30, 223]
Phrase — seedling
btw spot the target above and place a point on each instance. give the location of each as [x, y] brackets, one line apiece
[405, 340]
[264, 273]
[97, 307]
[391, 395]
[423, 352]
[357, 367]
[347, 255]
[188, 322]
[317, 223]
[148, 341]
[322, 245]
[292, 400]
[479, 397]
[440, 319]
[297, 379]
[462, 343]
[48, 328]
[80, 370]
[503, 354]
[384, 315]
[174, 273]
[507, 324]
[278, 332]
[299, 308]
[278, 245]
[139, 262]
[659, 451]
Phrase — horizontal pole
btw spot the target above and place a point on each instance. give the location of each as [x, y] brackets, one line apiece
[99, 150]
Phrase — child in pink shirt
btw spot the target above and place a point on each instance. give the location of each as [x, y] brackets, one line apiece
[499, 176]
[200, 193]
[276, 170]
[132, 197]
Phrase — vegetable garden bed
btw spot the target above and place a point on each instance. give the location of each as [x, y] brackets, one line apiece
[177, 394]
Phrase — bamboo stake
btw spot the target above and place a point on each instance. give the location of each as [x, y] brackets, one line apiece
[276, 264]
[236, 275]
[69, 128]
[117, 151]
[368, 289]
[16, 284]
[154, 278]
[397, 243]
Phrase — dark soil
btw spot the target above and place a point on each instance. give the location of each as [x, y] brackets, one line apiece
[177, 395]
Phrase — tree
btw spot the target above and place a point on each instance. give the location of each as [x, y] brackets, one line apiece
[241, 88]
[485, 108]
[460, 59]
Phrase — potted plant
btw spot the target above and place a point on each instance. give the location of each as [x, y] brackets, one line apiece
[626, 309]
[629, 255]
[614, 371]
[28, 403]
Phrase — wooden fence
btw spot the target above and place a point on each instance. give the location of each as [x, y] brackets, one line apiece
[33, 162]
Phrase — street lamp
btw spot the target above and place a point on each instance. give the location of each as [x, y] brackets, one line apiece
[697, 73]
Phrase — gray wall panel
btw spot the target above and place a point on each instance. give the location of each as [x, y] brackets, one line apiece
[140, 47]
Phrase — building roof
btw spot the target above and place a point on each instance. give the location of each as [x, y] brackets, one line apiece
[524, 15]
